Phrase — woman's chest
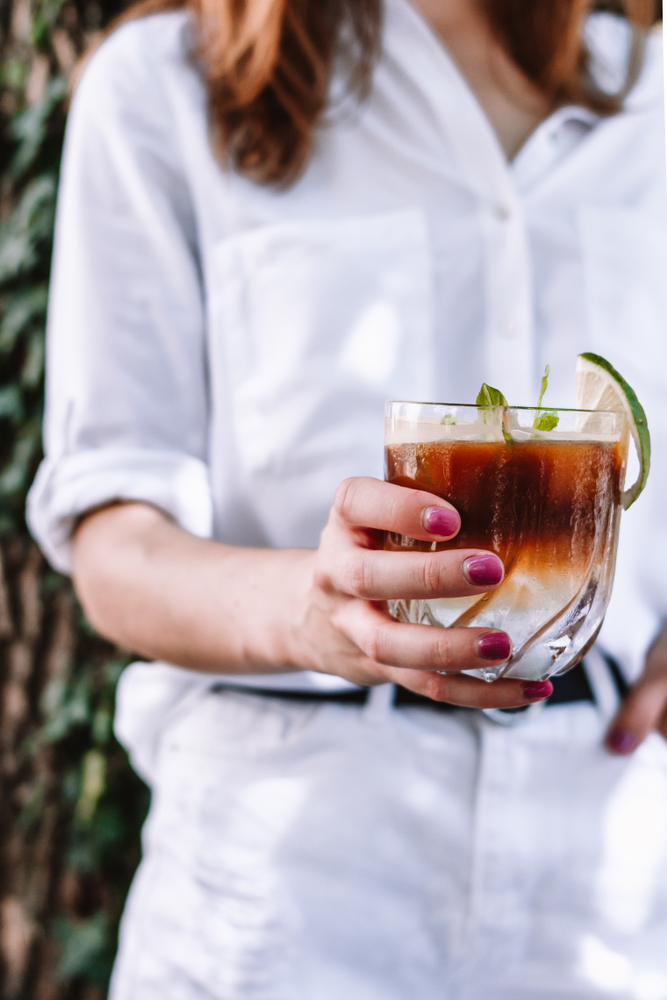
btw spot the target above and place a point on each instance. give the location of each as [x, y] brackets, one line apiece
[383, 274]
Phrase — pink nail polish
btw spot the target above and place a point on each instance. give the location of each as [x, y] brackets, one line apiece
[494, 646]
[621, 741]
[537, 690]
[441, 521]
[483, 571]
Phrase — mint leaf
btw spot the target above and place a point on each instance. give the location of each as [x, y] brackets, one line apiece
[546, 421]
[488, 396]
[448, 420]
[543, 386]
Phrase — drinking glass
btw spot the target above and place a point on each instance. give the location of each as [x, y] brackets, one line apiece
[541, 489]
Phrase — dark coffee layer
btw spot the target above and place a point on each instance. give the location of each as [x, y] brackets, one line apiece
[553, 496]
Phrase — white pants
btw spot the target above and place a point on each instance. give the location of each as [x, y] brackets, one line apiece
[330, 852]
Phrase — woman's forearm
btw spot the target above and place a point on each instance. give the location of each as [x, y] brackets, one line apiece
[151, 587]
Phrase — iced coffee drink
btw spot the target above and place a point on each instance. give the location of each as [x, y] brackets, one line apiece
[546, 501]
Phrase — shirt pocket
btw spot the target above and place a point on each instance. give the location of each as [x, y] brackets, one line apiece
[625, 273]
[313, 324]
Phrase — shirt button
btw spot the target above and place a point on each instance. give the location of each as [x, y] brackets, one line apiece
[503, 212]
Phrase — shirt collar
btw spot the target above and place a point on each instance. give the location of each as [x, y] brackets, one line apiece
[413, 44]
[551, 142]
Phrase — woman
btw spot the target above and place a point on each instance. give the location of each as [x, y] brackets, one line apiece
[274, 216]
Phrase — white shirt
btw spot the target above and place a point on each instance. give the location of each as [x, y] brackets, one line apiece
[224, 350]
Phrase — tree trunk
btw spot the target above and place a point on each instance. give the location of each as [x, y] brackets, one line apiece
[65, 790]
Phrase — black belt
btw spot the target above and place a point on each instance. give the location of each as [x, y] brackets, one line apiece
[571, 687]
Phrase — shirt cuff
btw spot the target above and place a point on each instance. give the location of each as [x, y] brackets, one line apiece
[65, 488]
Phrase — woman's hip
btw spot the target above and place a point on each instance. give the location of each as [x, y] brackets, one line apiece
[298, 850]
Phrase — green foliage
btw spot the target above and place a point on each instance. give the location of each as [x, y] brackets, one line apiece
[44, 16]
[101, 803]
[107, 804]
[27, 232]
[29, 128]
[85, 949]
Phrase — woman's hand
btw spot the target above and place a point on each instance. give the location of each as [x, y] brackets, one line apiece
[645, 707]
[345, 628]
[150, 586]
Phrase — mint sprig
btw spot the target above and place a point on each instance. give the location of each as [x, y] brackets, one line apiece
[488, 396]
[546, 421]
[549, 419]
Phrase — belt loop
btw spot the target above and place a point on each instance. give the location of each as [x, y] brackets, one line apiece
[601, 680]
[379, 703]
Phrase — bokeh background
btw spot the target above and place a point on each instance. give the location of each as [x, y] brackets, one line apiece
[70, 807]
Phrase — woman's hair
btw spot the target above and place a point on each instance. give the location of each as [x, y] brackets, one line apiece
[544, 38]
[267, 64]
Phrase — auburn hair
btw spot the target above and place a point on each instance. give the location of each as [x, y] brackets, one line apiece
[267, 64]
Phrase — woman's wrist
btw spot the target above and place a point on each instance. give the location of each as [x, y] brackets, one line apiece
[271, 624]
[149, 586]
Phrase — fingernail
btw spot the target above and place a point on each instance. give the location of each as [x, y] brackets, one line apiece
[441, 520]
[621, 741]
[537, 690]
[483, 571]
[494, 646]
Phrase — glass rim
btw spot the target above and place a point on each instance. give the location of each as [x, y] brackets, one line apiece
[499, 406]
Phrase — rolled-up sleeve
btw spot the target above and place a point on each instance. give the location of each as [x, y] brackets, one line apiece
[127, 399]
